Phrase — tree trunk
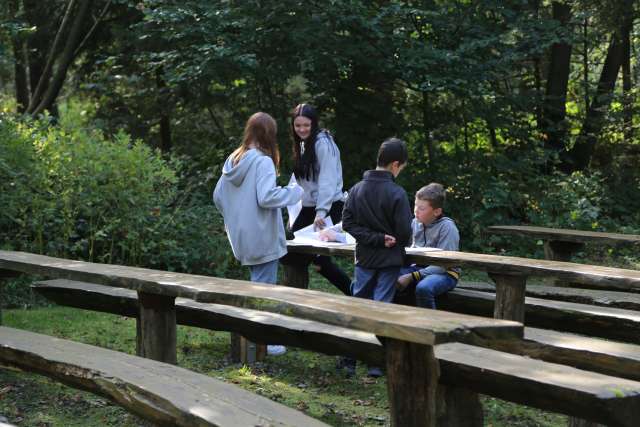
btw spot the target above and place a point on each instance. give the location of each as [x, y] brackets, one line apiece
[165, 121]
[582, 151]
[45, 75]
[38, 15]
[554, 105]
[426, 129]
[67, 57]
[627, 95]
[19, 65]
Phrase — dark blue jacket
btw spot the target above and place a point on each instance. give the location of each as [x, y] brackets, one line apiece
[377, 206]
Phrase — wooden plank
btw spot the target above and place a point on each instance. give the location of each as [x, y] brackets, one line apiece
[565, 235]
[610, 323]
[382, 319]
[589, 275]
[159, 392]
[624, 300]
[616, 359]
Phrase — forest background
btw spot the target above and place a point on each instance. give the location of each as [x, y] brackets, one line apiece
[117, 115]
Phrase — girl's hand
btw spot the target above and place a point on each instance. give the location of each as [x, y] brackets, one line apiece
[389, 241]
[327, 235]
[318, 223]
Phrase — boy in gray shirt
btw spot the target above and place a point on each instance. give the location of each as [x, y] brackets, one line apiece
[431, 229]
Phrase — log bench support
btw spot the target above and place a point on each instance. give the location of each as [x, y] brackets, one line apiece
[156, 328]
[510, 290]
[4, 275]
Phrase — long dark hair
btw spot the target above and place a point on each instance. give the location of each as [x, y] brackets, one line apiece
[303, 163]
[260, 131]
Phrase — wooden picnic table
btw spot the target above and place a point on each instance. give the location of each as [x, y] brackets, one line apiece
[561, 244]
[509, 273]
[409, 336]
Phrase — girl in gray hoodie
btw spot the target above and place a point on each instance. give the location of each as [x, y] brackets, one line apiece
[318, 169]
[250, 201]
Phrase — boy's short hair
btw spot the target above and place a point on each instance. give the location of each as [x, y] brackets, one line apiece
[433, 193]
[392, 150]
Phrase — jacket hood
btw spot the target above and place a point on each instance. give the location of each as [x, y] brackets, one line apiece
[236, 174]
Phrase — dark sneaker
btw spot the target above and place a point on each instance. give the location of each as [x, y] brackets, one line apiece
[348, 365]
[374, 372]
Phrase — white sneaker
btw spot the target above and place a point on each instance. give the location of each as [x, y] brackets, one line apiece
[276, 350]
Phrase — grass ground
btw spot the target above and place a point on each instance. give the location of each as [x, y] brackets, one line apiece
[299, 379]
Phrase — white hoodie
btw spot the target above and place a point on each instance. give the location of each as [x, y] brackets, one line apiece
[249, 199]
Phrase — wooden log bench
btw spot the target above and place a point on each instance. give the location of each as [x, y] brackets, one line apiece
[562, 244]
[623, 300]
[409, 337]
[605, 322]
[548, 386]
[159, 392]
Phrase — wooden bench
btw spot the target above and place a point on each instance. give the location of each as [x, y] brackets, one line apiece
[623, 300]
[548, 386]
[409, 336]
[561, 244]
[159, 392]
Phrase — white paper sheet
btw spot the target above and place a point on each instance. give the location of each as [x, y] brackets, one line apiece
[294, 210]
[309, 236]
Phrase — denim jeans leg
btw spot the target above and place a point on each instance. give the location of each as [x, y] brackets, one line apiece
[385, 289]
[265, 273]
[431, 286]
[364, 282]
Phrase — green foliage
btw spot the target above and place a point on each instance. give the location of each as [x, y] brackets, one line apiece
[70, 192]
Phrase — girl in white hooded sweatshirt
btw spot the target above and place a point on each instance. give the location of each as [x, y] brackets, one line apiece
[250, 201]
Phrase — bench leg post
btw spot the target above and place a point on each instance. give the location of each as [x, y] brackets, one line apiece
[245, 351]
[510, 290]
[4, 275]
[412, 383]
[156, 328]
[458, 407]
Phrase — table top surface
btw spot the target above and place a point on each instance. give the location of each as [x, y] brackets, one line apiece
[579, 236]
[383, 319]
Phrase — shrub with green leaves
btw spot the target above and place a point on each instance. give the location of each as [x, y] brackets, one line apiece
[74, 193]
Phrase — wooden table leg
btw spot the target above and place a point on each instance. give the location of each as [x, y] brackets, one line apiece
[412, 383]
[510, 290]
[295, 276]
[557, 250]
[156, 328]
[245, 351]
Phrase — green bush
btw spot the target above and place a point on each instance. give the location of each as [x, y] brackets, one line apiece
[73, 193]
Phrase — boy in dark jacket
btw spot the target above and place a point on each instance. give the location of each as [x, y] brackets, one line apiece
[378, 215]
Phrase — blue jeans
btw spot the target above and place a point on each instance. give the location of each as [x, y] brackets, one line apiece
[378, 284]
[430, 287]
[265, 273]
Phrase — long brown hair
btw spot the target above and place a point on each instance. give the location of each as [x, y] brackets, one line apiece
[261, 130]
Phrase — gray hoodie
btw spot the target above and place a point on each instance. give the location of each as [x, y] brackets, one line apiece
[328, 187]
[441, 233]
[249, 200]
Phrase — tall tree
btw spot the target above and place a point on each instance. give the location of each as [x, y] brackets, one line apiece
[580, 154]
[554, 105]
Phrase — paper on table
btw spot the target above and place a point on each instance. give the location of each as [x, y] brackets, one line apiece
[420, 250]
[294, 210]
[309, 236]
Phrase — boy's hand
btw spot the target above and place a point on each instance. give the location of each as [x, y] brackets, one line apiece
[404, 281]
[389, 241]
